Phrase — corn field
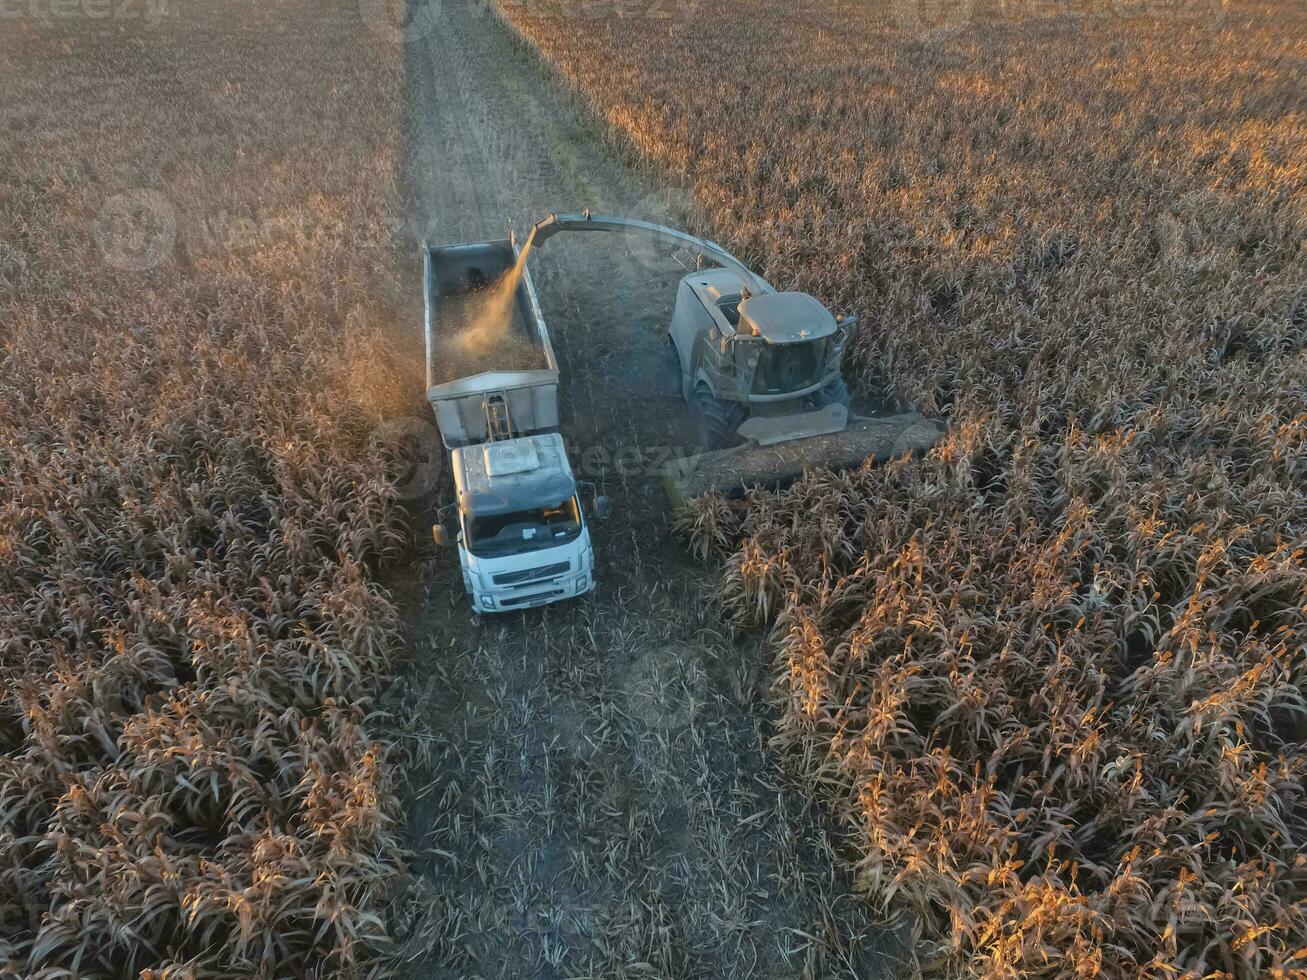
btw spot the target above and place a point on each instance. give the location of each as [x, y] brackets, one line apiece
[192, 515]
[1051, 679]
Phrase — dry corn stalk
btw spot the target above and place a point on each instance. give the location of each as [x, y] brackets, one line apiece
[191, 524]
[1052, 677]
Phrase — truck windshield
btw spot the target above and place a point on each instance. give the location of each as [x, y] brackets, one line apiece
[497, 535]
[787, 367]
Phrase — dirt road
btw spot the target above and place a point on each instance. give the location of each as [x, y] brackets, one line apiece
[595, 798]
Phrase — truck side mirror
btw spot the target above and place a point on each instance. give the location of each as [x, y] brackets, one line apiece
[601, 508]
[440, 535]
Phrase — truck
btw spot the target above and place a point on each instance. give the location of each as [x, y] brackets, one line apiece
[519, 526]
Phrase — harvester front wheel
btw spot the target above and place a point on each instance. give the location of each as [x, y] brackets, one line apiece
[718, 420]
[672, 370]
[835, 391]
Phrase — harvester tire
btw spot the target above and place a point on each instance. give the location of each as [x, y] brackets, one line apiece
[718, 420]
[672, 370]
[835, 391]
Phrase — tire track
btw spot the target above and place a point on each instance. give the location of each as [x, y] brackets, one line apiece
[594, 799]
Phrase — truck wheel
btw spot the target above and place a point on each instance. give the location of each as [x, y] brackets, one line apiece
[718, 420]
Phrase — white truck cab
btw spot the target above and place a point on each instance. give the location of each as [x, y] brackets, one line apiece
[522, 536]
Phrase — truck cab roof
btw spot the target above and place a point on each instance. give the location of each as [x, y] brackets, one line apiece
[512, 474]
[776, 318]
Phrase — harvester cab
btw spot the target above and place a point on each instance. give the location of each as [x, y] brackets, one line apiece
[764, 367]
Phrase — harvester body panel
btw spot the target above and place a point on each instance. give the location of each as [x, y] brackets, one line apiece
[767, 352]
[705, 301]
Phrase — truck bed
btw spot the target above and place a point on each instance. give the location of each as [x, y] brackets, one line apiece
[465, 344]
[490, 365]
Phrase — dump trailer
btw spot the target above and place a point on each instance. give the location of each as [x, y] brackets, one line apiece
[520, 528]
[759, 369]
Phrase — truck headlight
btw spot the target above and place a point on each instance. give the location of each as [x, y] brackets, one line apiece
[581, 583]
[488, 602]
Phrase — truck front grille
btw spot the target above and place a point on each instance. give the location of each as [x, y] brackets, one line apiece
[530, 574]
[531, 600]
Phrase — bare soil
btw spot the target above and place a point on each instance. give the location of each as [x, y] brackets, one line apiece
[594, 796]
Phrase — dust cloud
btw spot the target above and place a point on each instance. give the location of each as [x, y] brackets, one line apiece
[483, 330]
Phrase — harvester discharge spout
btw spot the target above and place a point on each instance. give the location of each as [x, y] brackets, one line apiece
[546, 229]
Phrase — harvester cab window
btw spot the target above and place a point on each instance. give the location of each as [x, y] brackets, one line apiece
[492, 535]
[783, 368]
